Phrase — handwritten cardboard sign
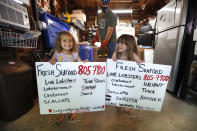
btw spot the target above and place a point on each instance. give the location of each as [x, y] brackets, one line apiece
[71, 87]
[136, 86]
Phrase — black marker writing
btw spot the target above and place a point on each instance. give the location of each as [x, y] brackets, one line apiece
[87, 81]
[47, 95]
[145, 90]
[57, 88]
[85, 87]
[152, 71]
[56, 101]
[114, 74]
[127, 99]
[99, 80]
[149, 84]
[123, 85]
[49, 82]
[65, 81]
[87, 93]
[119, 65]
[148, 98]
[42, 72]
[129, 76]
[64, 72]
[117, 92]
[121, 80]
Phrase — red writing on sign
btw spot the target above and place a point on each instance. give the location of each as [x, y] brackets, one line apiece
[148, 77]
[86, 70]
[158, 77]
[162, 77]
[50, 110]
[99, 69]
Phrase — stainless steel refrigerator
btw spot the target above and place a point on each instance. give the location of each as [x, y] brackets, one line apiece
[173, 26]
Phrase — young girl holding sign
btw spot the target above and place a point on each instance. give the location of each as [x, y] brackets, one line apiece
[65, 50]
[126, 49]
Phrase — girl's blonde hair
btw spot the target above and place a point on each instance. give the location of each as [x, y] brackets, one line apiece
[131, 44]
[57, 44]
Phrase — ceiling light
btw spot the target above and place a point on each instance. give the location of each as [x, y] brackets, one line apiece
[122, 11]
[18, 1]
[127, 11]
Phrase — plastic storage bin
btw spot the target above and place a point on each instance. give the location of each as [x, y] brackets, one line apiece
[16, 91]
[85, 52]
[53, 25]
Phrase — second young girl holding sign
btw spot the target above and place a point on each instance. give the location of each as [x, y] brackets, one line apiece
[126, 49]
[65, 50]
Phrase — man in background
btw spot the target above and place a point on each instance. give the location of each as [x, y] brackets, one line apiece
[106, 30]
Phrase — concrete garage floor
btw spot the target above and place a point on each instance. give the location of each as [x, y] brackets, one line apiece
[176, 115]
